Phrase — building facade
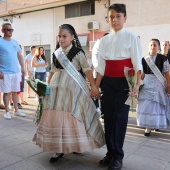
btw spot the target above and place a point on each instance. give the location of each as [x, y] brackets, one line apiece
[36, 22]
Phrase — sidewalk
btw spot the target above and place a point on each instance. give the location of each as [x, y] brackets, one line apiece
[18, 152]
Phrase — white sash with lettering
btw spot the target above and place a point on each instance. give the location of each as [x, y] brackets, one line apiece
[72, 71]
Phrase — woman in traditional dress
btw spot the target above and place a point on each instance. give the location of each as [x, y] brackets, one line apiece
[153, 108]
[69, 122]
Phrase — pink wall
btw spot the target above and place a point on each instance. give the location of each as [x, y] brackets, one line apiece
[97, 35]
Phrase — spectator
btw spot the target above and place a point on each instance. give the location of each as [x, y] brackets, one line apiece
[21, 93]
[29, 68]
[165, 49]
[39, 63]
[10, 54]
[1, 105]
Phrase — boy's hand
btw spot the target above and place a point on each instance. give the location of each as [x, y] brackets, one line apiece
[135, 91]
[95, 92]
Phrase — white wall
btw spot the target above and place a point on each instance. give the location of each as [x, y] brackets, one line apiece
[80, 23]
[146, 33]
[46, 22]
[36, 22]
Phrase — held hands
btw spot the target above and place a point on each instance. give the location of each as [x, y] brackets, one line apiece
[135, 91]
[95, 92]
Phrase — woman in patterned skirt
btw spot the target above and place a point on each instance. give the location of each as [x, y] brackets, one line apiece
[69, 122]
[153, 108]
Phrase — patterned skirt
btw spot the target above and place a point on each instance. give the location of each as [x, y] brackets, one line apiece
[69, 122]
[153, 105]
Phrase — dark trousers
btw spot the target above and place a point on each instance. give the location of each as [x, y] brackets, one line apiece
[41, 76]
[115, 115]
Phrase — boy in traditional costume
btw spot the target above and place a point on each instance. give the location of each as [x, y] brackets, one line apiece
[117, 50]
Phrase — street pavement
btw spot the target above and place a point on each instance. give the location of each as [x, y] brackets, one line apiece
[18, 152]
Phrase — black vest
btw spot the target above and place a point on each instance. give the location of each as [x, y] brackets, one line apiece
[71, 54]
[160, 59]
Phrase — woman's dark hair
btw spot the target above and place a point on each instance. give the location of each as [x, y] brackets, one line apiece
[120, 8]
[72, 31]
[37, 54]
[157, 41]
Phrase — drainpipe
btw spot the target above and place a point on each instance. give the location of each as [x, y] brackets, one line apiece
[107, 4]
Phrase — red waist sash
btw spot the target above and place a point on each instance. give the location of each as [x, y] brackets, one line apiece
[115, 68]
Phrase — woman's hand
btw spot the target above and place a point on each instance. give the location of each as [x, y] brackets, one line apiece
[95, 92]
[46, 64]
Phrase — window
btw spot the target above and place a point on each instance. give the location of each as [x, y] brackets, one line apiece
[80, 9]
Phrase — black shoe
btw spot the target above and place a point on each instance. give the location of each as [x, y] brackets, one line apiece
[77, 153]
[102, 116]
[106, 161]
[147, 134]
[19, 106]
[115, 165]
[157, 130]
[55, 159]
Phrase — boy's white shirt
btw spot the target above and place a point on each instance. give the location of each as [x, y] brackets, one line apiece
[118, 46]
[95, 51]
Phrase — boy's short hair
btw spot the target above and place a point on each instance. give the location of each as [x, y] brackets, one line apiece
[120, 8]
[32, 47]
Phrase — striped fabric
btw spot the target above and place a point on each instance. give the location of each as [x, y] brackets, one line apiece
[69, 122]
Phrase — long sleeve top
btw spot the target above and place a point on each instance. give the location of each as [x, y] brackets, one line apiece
[119, 46]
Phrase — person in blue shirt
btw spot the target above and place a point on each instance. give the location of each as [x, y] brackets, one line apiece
[10, 74]
[29, 68]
